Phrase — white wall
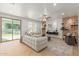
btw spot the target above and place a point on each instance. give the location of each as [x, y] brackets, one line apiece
[25, 25]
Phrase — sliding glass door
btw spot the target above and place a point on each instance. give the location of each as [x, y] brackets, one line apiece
[10, 29]
[6, 29]
[16, 29]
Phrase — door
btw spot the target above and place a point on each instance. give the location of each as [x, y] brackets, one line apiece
[16, 29]
[10, 29]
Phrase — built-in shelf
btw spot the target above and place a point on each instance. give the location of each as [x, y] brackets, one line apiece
[74, 25]
[72, 28]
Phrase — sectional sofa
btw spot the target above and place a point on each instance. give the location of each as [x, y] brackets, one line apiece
[37, 43]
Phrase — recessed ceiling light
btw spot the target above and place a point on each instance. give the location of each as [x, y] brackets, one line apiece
[54, 4]
[62, 14]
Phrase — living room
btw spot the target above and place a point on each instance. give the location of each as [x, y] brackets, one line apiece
[42, 29]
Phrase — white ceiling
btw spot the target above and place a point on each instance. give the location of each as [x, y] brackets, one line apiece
[35, 10]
